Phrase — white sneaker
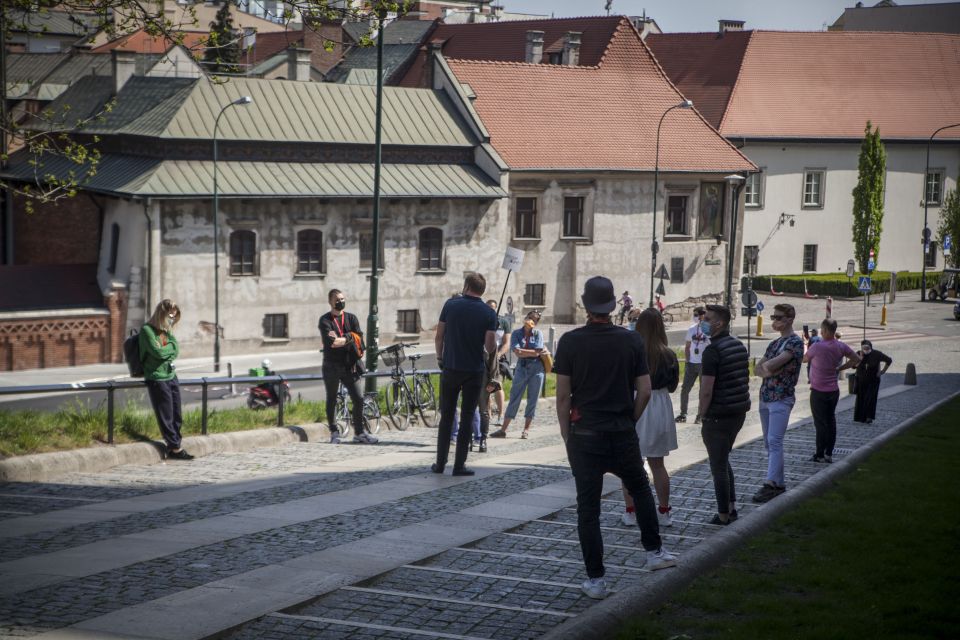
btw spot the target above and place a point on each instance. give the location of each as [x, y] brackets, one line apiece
[660, 559]
[334, 437]
[628, 519]
[664, 518]
[595, 588]
[365, 438]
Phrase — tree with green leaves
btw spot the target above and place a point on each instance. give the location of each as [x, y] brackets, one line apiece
[868, 197]
[950, 225]
[222, 54]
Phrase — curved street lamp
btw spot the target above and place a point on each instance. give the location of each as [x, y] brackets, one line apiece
[654, 247]
[245, 100]
[926, 238]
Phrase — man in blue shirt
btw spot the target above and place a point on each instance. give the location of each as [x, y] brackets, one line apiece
[467, 327]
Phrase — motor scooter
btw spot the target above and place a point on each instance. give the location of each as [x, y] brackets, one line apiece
[265, 395]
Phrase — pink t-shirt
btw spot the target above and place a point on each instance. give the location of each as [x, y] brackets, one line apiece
[825, 356]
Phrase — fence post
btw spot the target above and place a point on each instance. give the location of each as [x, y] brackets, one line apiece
[233, 386]
[280, 403]
[110, 418]
[203, 407]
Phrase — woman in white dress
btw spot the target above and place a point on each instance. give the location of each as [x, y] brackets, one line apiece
[656, 428]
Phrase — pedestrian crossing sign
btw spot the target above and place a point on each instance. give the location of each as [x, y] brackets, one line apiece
[864, 284]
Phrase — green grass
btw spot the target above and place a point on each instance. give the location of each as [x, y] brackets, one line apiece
[876, 557]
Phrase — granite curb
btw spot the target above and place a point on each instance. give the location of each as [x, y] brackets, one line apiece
[43, 467]
[605, 618]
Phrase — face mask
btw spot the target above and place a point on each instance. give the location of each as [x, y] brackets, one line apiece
[705, 328]
[339, 305]
[529, 324]
[867, 350]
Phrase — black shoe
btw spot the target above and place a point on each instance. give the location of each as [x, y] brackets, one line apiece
[716, 520]
[767, 493]
[463, 471]
[471, 445]
[483, 445]
[436, 468]
[816, 458]
[733, 515]
[696, 420]
[179, 455]
[681, 418]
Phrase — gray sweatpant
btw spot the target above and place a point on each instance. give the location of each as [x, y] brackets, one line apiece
[690, 375]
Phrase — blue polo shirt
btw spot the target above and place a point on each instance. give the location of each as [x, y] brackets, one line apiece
[467, 320]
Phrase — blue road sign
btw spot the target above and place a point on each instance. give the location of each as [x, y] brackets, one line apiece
[864, 284]
[759, 305]
[871, 265]
[947, 245]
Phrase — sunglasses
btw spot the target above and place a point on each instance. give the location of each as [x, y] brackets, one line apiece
[778, 317]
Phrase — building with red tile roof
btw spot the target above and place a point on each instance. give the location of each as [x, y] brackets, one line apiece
[797, 104]
[580, 142]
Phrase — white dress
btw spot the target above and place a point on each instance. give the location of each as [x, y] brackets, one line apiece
[656, 429]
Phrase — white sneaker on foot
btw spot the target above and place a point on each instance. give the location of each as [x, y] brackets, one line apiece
[664, 518]
[628, 519]
[365, 438]
[334, 437]
[660, 559]
[595, 588]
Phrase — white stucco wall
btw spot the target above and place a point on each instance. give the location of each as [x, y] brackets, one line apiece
[830, 228]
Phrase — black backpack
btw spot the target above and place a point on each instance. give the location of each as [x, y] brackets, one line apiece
[131, 354]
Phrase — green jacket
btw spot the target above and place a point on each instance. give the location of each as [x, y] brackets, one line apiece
[157, 359]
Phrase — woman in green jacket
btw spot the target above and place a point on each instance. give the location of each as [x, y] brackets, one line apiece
[158, 350]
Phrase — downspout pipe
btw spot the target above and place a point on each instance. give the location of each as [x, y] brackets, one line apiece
[147, 298]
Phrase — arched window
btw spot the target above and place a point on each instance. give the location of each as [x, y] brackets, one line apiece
[310, 251]
[430, 249]
[243, 253]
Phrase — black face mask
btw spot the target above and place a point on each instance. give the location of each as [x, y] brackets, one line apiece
[339, 305]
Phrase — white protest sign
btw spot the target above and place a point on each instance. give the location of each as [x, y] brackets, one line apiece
[512, 259]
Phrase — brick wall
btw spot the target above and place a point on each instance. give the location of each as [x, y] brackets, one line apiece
[320, 34]
[65, 232]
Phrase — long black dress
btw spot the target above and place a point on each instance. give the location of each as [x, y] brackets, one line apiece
[868, 385]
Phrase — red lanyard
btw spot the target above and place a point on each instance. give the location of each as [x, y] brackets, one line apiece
[338, 326]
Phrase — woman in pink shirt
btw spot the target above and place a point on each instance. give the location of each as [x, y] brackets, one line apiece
[826, 359]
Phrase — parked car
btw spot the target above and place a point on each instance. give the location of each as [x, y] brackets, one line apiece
[947, 286]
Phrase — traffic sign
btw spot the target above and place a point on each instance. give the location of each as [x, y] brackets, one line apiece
[864, 284]
[749, 298]
[512, 259]
[750, 312]
[947, 245]
[871, 265]
[759, 305]
[660, 290]
[662, 273]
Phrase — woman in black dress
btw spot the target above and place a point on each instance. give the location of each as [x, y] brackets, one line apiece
[868, 381]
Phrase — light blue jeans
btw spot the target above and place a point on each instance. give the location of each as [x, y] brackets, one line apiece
[527, 377]
[774, 418]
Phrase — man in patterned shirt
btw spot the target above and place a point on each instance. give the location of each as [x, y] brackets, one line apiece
[780, 370]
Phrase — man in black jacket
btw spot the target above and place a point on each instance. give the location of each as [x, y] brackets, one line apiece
[724, 402]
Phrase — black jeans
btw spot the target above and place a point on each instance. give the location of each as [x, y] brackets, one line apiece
[718, 436]
[823, 406]
[333, 376]
[592, 455]
[453, 384]
[165, 399]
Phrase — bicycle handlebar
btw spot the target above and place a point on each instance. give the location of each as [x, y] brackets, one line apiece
[398, 346]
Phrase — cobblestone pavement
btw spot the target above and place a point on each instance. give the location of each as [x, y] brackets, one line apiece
[517, 582]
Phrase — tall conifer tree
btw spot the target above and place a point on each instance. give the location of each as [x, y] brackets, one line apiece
[868, 198]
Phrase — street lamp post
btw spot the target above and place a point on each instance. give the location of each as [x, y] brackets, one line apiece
[926, 238]
[736, 181]
[245, 100]
[654, 247]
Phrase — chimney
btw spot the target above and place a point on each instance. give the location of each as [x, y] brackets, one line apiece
[298, 64]
[730, 25]
[123, 65]
[571, 48]
[534, 46]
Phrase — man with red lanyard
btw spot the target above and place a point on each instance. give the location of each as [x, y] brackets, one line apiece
[338, 367]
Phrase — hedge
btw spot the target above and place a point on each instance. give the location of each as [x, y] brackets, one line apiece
[837, 285]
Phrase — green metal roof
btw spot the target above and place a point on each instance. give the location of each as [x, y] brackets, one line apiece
[132, 176]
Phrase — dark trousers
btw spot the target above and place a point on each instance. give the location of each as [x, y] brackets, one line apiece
[718, 436]
[165, 399]
[691, 373]
[823, 406]
[333, 376]
[591, 455]
[453, 384]
[866, 406]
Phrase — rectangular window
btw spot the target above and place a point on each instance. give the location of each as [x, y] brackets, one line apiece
[813, 188]
[243, 253]
[711, 209]
[573, 217]
[930, 255]
[809, 257]
[676, 269]
[750, 254]
[677, 215]
[430, 249]
[366, 250]
[753, 191]
[535, 295]
[275, 326]
[408, 321]
[309, 251]
[526, 218]
[934, 190]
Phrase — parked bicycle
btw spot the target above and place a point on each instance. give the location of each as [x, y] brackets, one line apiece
[408, 393]
[371, 410]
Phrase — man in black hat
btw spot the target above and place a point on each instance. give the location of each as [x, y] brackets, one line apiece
[603, 386]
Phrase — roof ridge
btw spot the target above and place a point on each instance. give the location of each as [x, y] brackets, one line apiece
[514, 63]
[616, 33]
[544, 19]
[736, 83]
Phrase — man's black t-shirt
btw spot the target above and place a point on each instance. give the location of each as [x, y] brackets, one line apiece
[603, 361]
[466, 322]
[341, 324]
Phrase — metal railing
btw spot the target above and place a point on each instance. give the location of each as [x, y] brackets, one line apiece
[111, 387]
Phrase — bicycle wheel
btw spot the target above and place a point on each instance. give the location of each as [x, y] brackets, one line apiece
[340, 410]
[426, 400]
[371, 413]
[398, 405]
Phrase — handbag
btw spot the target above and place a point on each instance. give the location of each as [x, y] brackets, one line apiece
[547, 361]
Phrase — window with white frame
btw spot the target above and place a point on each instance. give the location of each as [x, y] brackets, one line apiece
[753, 191]
[809, 257]
[813, 180]
[677, 215]
[573, 214]
[525, 214]
[933, 194]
